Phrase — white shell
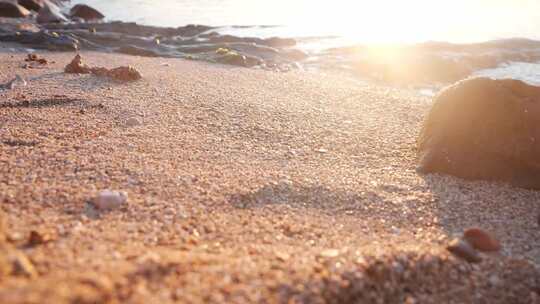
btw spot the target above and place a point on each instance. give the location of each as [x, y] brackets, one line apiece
[108, 200]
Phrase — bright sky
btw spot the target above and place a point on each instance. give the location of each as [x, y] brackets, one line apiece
[407, 20]
[373, 20]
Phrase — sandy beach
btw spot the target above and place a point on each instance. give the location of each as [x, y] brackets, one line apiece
[244, 186]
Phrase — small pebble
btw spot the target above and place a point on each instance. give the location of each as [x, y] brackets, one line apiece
[22, 265]
[109, 200]
[132, 122]
[329, 253]
[494, 280]
[464, 251]
[15, 237]
[39, 237]
[283, 256]
[481, 240]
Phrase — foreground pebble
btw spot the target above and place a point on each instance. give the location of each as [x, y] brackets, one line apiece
[481, 240]
[109, 200]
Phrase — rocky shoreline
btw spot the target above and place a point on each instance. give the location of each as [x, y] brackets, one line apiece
[50, 29]
[431, 63]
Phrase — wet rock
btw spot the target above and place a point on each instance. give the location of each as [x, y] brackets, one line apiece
[43, 40]
[484, 129]
[294, 54]
[12, 10]
[109, 200]
[86, 12]
[481, 240]
[32, 5]
[137, 51]
[280, 42]
[234, 58]
[133, 29]
[464, 251]
[274, 42]
[50, 13]
[18, 26]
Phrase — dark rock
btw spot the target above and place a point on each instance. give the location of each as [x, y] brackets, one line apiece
[274, 42]
[33, 5]
[134, 39]
[136, 51]
[12, 10]
[464, 251]
[294, 54]
[234, 58]
[280, 42]
[134, 29]
[481, 240]
[484, 129]
[77, 19]
[86, 12]
[43, 40]
[50, 13]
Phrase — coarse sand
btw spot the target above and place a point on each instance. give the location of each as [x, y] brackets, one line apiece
[244, 186]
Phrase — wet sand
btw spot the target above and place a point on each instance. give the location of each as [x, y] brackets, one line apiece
[244, 186]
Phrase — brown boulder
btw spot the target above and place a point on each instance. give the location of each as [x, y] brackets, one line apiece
[32, 5]
[484, 129]
[50, 13]
[12, 10]
[85, 12]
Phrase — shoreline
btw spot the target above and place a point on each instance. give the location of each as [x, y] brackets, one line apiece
[428, 64]
[253, 185]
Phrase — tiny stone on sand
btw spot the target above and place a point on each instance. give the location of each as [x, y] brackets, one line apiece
[133, 122]
[464, 250]
[110, 200]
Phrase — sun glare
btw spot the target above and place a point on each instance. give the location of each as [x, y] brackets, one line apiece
[415, 20]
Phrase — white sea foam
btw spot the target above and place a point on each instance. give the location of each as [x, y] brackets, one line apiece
[527, 72]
